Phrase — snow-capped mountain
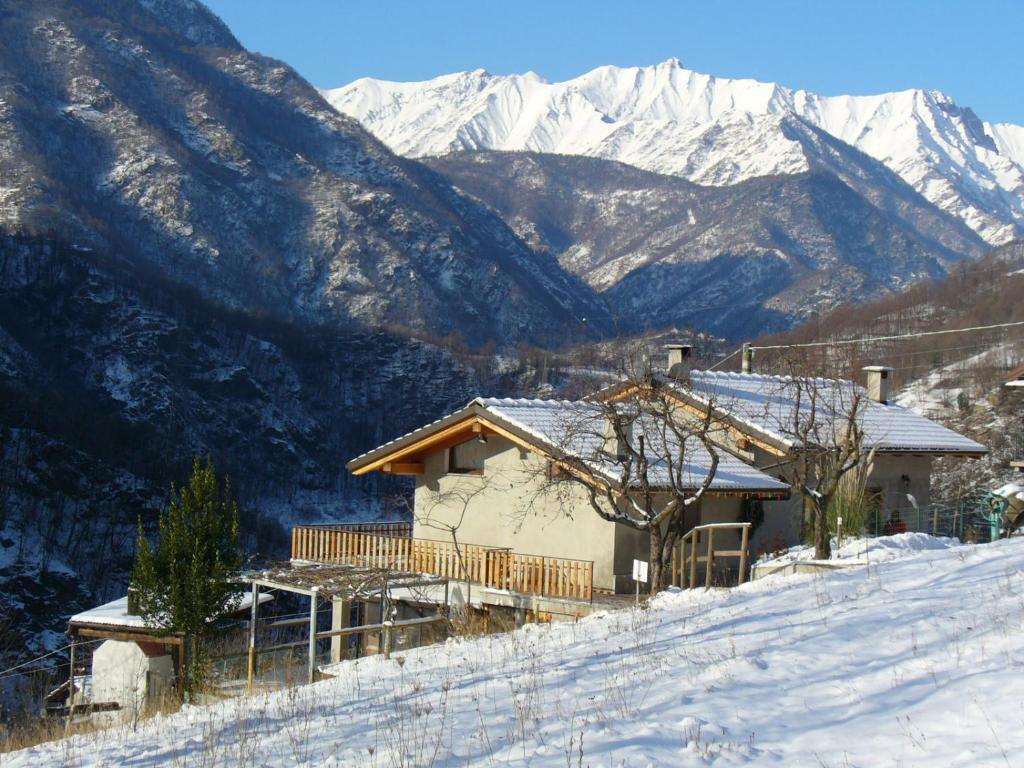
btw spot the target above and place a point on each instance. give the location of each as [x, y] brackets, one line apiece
[671, 120]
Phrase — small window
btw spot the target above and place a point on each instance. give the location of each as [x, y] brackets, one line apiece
[466, 458]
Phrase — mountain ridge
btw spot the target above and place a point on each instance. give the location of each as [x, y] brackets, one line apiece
[711, 130]
[765, 252]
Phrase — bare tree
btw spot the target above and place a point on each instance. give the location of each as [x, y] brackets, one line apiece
[822, 419]
[642, 462]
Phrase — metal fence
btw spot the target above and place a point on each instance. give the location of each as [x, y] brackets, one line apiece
[972, 518]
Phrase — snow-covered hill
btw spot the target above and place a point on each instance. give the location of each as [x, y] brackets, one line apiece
[710, 130]
[913, 660]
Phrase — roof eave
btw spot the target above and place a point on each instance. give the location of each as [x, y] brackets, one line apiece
[374, 456]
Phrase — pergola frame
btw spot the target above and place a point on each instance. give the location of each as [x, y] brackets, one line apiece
[332, 581]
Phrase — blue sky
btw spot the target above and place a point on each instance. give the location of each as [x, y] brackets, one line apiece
[973, 51]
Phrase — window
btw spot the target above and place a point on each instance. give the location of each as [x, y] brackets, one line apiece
[466, 458]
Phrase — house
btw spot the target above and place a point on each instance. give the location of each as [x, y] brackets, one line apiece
[484, 475]
[1016, 378]
[767, 419]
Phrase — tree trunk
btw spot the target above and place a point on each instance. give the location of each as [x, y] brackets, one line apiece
[822, 540]
[657, 577]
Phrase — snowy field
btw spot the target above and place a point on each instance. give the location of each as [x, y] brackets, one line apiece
[916, 659]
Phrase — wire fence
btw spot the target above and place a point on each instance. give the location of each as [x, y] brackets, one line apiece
[976, 518]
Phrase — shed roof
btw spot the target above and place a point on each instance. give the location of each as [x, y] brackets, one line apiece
[115, 614]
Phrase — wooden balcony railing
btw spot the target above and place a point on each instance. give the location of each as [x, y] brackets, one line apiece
[493, 567]
[398, 529]
[688, 555]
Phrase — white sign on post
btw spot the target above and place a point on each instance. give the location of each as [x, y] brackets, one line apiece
[640, 571]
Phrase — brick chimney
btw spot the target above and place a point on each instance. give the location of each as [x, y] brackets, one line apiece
[879, 378]
[678, 360]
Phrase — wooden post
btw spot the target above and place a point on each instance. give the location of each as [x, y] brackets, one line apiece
[694, 538]
[387, 639]
[71, 687]
[253, 615]
[744, 543]
[340, 618]
[312, 634]
[181, 669]
[711, 558]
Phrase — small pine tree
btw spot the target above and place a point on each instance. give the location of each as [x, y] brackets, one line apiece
[187, 579]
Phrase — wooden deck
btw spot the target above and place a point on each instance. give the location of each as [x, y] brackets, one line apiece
[492, 567]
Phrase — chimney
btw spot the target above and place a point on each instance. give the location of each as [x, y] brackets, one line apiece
[612, 444]
[747, 359]
[678, 360]
[878, 382]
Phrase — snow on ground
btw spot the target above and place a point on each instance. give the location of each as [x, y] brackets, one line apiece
[871, 550]
[914, 662]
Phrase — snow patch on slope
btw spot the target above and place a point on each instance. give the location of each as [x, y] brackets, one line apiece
[905, 663]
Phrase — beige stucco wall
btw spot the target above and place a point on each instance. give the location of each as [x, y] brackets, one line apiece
[887, 471]
[783, 520]
[514, 505]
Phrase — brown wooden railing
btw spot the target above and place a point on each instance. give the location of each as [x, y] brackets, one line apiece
[684, 568]
[401, 528]
[494, 567]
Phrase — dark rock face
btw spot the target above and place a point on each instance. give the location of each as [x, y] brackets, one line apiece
[111, 381]
[145, 130]
[737, 260]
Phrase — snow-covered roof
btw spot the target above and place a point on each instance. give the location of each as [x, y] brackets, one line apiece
[768, 404]
[576, 429]
[115, 613]
[1016, 378]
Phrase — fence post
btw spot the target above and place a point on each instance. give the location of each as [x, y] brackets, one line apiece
[253, 615]
[744, 543]
[312, 633]
[711, 557]
[694, 538]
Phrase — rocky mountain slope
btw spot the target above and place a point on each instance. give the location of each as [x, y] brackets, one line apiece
[709, 130]
[738, 260]
[145, 129]
[198, 255]
[110, 381]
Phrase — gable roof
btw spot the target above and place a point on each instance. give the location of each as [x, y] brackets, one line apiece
[766, 405]
[565, 429]
[1016, 378]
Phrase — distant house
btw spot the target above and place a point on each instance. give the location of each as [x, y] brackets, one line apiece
[758, 416]
[1016, 378]
[484, 473]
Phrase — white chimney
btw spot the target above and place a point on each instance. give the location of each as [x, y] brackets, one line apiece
[613, 446]
[878, 382]
[678, 360]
